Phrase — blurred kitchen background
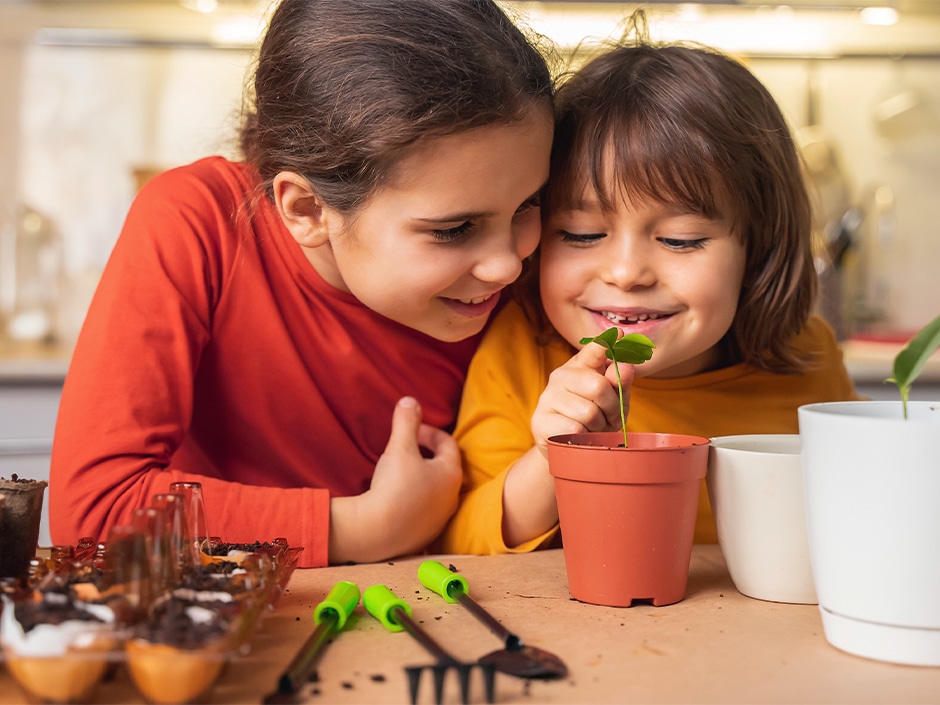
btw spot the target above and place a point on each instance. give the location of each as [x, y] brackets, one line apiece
[98, 95]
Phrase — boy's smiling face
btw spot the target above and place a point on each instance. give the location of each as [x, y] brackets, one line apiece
[647, 268]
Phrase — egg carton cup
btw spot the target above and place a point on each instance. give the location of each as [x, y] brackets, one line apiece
[67, 662]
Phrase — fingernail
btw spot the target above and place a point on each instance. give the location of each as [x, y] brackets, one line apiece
[408, 402]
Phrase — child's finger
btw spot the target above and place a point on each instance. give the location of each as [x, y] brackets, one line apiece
[406, 420]
[438, 444]
[627, 373]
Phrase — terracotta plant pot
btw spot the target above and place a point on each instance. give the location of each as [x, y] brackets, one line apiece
[19, 524]
[627, 514]
[872, 482]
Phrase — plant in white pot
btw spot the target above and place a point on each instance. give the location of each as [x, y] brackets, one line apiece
[627, 502]
[872, 483]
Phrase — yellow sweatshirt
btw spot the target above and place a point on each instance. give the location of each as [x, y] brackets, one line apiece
[510, 370]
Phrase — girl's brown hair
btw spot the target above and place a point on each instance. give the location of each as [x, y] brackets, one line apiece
[688, 126]
[343, 88]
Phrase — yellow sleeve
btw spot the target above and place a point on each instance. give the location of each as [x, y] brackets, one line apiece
[505, 379]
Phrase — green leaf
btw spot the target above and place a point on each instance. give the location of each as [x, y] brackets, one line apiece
[633, 348]
[607, 339]
[909, 363]
[911, 360]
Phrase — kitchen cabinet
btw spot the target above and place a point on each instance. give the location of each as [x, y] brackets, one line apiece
[879, 391]
[870, 362]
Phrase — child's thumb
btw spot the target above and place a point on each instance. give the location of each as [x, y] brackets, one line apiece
[593, 356]
[406, 420]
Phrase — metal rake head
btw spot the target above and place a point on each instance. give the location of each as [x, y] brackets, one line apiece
[463, 670]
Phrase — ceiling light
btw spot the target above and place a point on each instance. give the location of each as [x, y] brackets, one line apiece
[885, 16]
[204, 6]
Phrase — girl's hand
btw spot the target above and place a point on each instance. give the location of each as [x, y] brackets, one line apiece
[411, 496]
[581, 395]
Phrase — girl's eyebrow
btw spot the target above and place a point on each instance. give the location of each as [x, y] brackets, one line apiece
[452, 217]
[458, 217]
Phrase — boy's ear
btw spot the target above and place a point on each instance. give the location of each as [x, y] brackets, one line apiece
[301, 209]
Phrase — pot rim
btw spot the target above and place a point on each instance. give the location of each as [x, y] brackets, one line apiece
[919, 412]
[612, 440]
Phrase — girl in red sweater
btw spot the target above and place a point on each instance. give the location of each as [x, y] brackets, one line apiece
[293, 330]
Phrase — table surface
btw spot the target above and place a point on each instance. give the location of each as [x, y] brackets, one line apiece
[716, 646]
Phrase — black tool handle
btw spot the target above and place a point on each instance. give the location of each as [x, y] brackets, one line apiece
[509, 639]
[304, 663]
[422, 637]
[330, 616]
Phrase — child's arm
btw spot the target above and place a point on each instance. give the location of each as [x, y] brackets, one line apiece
[581, 395]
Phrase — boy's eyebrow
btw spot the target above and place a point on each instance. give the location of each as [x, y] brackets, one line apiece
[456, 217]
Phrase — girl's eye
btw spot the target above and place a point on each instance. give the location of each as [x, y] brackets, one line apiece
[674, 243]
[580, 238]
[534, 202]
[453, 234]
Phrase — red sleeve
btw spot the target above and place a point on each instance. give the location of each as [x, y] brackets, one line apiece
[128, 395]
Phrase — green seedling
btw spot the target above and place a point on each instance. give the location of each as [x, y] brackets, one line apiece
[911, 360]
[633, 348]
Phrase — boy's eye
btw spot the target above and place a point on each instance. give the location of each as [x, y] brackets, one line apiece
[674, 243]
[453, 234]
[579, 238]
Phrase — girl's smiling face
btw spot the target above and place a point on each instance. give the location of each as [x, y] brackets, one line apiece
[434, 248]
[647, 268]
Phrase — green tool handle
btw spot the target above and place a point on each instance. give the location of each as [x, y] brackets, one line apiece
[339, 603]
[329, 616]
[395, 615]
[453, 587]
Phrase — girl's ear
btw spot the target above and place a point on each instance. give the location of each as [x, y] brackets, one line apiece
[301, 209]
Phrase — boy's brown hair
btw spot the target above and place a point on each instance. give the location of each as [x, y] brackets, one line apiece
[688, 126]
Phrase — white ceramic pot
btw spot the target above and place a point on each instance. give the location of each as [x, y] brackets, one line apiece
[872, 483]
[755, 485]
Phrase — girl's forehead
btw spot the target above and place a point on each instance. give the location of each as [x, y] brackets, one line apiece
[616, 193]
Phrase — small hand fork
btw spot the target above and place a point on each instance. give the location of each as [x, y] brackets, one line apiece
[395, 615]
[515, 658]
[330, 617]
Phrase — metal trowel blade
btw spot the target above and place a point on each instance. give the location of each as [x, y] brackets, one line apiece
[527, 662]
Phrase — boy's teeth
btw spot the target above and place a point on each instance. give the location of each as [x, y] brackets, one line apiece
[631, 319]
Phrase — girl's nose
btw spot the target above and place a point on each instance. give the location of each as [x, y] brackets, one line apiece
[502, 263]
[628, 267]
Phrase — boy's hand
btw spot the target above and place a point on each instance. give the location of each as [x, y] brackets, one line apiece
[581, 395]
[411, 496]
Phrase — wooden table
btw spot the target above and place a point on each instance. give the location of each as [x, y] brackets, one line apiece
[716, 646]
